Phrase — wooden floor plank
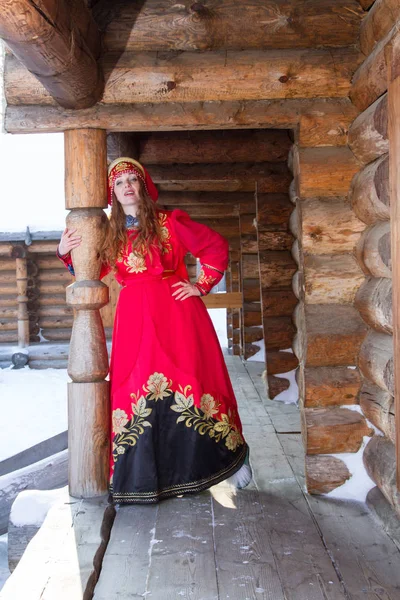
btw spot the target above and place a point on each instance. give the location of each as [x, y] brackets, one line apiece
[245, 561]
[304, 567]
[265, 542]
[366, 558]
[182, 556]
[126, 562]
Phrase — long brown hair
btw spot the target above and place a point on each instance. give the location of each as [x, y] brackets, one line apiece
[116, 235]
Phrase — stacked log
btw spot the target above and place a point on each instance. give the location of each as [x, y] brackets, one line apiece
[198, 27]
[153, 77]
[370, 199]
[277, 268]
[55, 317]
[330, 331]
[252, 325]
[154, 58]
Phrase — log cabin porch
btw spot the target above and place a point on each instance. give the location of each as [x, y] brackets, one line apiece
[271, 540]
[275, 131]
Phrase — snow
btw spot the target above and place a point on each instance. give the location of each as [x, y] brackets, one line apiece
[4, 570]
[260, 356]
[33, 407]
[31, 506]
[291, 395]
[218, 317]
[359, 484]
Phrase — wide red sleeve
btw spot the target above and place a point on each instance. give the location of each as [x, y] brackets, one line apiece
[211, 248]
[67, 260]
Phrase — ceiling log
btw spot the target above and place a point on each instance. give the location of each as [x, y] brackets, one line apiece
[206, 76]
[58, 42]
[175, 116]
[214, 147]
[228, 24]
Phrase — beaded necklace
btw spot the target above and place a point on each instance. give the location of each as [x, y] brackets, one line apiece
[131, 222]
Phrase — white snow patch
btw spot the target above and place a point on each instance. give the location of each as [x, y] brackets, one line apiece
[260, 356]
[218, 317]
[181, 534]
[291, 395]
[4, 570]
[37, 401]
[31, 506]
[359, 484]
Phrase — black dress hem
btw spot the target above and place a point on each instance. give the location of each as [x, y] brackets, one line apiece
[179, 489]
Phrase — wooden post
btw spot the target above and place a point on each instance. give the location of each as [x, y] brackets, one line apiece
[88, 393]
[19, 253]
[393, 65]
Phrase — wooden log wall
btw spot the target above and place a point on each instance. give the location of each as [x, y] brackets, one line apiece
[34, 284]
[330, 330]
[370, 202]
[177, 65]
[277, 267]
[55, 316]
[251, 325]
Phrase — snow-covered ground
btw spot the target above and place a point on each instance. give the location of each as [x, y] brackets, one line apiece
[4, 571]
[34, 400]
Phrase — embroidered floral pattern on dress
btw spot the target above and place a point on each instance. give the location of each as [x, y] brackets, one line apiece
[135, 263]
[203, 419]
[205, 279]
[165, 233]
[128, 430]
[158, 386]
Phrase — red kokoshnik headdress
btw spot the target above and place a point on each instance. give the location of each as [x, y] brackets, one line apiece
[122, 165]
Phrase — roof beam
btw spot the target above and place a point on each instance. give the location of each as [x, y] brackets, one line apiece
[59, 43]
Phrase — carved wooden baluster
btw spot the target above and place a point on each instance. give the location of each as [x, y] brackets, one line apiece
[88, 393]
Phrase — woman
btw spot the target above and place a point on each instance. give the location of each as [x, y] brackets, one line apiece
[175, 425]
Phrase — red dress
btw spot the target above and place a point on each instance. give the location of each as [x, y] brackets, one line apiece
[175, 424]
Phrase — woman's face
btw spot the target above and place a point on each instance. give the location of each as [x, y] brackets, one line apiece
[127, 189]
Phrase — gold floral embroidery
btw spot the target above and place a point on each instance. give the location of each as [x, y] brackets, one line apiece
[203, 278]
[203, 419]
[203, 422]
[209, 406]
[128, 431]
[119, 420]
[165, 234]
[158, 387]
[135, 263]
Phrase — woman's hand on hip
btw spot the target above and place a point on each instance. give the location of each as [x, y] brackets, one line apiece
[68, 241]
[185, 290]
